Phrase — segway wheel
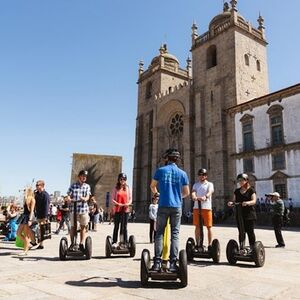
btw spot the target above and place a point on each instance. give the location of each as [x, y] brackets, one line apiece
[108, 246]
[63, 248]
[231, 249]
[259, 254]
[190, 248]
[145, 266]
[132, 246]
[88, 247]
[215, 251]
[183, 274]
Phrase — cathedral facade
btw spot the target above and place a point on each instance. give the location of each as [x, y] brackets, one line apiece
[195, 108]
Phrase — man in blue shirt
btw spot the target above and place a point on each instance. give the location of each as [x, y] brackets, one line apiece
[173, 185]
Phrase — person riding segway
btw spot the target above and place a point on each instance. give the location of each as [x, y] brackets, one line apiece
[173, 185]
[78, 195]
[121, 198]
[244, 200]
[202, 215]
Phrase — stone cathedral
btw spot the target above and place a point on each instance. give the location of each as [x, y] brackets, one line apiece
[188, 107]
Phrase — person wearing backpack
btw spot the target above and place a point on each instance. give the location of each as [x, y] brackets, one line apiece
[277, 209]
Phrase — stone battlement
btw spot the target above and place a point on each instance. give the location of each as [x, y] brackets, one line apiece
[174, 89]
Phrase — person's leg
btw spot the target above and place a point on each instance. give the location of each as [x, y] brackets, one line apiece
[249, 228]
[83, 221]
[175, 218]
[20, 232]
[126, 215]
[162, 216]
[207, 221]
[277, 223]
[116, 227]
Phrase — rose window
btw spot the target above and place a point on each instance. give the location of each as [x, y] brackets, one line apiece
[176, 126]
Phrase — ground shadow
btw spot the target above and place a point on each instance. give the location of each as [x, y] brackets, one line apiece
[112, 256]
[35, 258]
[108, 282]
[104, 282]
[203, 263]
[12, 249]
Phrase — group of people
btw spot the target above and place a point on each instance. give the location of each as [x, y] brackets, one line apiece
[170, 184]
[36, 206]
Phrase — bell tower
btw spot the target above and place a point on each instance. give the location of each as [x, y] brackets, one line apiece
[229, 68]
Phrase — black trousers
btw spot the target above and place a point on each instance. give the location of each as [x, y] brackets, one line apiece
[249, 229]
[152, 231]
[120, 218]
[277, 224]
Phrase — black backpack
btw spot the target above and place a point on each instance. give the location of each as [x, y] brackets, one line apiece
[286, 216]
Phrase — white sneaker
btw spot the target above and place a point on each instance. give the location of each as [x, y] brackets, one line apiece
[114, 245]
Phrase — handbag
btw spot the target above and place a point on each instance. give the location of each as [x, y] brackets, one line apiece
[45, 231]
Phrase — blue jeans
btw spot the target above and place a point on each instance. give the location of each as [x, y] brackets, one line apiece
[163, 214]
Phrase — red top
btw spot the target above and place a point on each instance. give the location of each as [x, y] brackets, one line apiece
[123, 197]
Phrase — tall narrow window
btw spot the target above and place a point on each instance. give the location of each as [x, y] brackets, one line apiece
[246, 57]
[280, 183]
[281, 189]
[248, 165]
[258, 65]
[278, 161]
[276, 125]
[148, 90]
[247, 131]
[211, 56]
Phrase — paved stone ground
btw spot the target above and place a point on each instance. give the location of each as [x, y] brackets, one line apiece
[41, 275]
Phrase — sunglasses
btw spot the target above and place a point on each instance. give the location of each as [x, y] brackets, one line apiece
[123, 179]
[202, 174]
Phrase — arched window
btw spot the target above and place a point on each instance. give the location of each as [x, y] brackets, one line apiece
[276, 124]
[246, 57]
[258, 65]
[211, 56]
[148, 90]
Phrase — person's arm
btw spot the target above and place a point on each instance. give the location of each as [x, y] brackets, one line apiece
[31, 213]
[47, 203]
[194, 195]
[129, 196]
[250, 202]
[185, 191]
[113, 197]
[153, 186]
[231, 203]
[210, 191]
[87, 197]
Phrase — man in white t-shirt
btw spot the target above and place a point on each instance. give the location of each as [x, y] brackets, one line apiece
[202, 193]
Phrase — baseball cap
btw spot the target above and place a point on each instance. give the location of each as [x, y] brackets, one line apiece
[276, 194]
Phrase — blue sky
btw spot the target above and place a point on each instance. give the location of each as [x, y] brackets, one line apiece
[68, 72]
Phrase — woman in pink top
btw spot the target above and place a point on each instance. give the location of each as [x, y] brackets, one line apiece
[121, 199]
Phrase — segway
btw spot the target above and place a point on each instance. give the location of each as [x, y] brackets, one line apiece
[200, 251]
[123, 247]
[74, 250]
[164, 274]
[239, 252]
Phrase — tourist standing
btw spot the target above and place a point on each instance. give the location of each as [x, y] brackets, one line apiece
[153, 207]
[42, 202]
[172, 183]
